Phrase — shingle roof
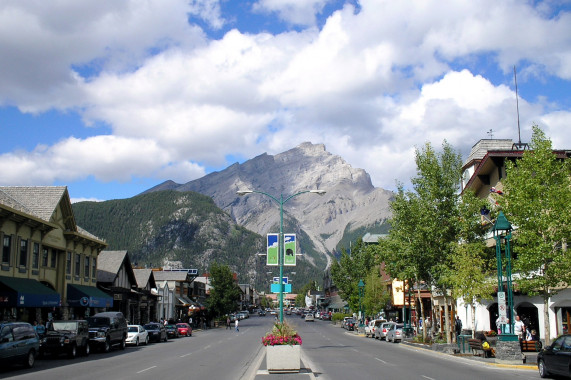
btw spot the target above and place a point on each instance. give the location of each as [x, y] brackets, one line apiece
[482, 147]
[41, 201]
[108, 265]
[170, 275]
[142, 276]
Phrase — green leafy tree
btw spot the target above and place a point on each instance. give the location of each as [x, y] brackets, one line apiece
[536, 201]
[376, 294]
[225, 292]
[351, 268]
[471, 262]
[424, 223]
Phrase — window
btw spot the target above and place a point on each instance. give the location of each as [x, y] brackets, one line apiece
[36, 256]
[54, 258]
[6, 249]
[86, 263]
[23, 252]
[45, 254]
[93, 267]
[77, 264]
[68, 263]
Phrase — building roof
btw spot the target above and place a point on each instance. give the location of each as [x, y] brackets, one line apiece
[161, 275]
[482, 147]
[143, 276]
[108, 265]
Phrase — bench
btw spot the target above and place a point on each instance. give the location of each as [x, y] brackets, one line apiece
[530, 346]
[476, 346]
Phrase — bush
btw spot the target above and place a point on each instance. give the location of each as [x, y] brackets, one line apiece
[339, 316]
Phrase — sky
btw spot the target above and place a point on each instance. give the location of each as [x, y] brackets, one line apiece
[111, 98]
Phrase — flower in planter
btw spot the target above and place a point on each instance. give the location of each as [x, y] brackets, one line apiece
[281, 334]
[490, 333]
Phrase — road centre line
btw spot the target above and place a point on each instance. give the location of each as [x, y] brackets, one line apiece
[146, 369]
[185, 355]
[426, 377]
[382, 361]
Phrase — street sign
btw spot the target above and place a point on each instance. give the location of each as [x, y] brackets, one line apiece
[272, 250]
[275, 288]
[277, 280]
[290, 249]
[502, 309]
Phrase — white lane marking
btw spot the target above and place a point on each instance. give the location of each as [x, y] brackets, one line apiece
[382, 361]
[354, 349]
[185, 355]
[146, 369]
[426, 377]
[206, 348]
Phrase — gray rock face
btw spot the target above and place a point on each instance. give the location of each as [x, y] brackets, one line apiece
[351, 200]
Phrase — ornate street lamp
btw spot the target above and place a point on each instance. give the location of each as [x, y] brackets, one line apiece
[281, 202]
[502, 230]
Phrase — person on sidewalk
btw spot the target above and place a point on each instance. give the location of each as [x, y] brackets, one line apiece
[458, 326]
[519, 328]
[236, 325]
[227, 322]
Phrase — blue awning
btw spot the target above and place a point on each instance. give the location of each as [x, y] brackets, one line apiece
[82, 295]
[25, 292]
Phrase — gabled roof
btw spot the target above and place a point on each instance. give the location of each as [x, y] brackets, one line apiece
[161, 275]
[109, 264]
[482, 147]
[144, 276]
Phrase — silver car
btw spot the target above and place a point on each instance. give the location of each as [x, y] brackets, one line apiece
[383, 329]
[395, 333]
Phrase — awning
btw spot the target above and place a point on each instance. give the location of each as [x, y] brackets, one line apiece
[183, 301]
[83, 295]
[24, 292]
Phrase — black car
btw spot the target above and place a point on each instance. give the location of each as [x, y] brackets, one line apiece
[556, 359]
[66, 337]
[107, 329]
[172, 331]
[157, 332]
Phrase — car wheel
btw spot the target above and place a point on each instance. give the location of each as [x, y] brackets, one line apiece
[72, 351]
[87, 349]
[542, 369]
[166, 338]
[137, 342]
[123, 343]
[30, 359]
[147, 340]
[107, 345]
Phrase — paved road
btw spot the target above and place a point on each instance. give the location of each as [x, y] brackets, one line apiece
[212, 354]
[335, 354]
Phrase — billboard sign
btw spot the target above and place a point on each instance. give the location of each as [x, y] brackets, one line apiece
[289, 249]
[272, 249]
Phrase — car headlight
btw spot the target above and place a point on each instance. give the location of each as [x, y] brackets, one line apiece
[101, 334]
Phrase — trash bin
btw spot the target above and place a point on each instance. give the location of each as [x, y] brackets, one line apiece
[463, 343]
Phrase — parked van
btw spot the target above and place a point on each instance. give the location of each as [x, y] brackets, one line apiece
[19, 343]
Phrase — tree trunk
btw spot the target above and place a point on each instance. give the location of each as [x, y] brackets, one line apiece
[421, 313]
[447, 320]
[546, 324]
[473, 308]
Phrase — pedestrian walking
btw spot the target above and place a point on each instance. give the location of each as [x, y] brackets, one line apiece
[236, 325]
[519, 327]
[227, 322]
[458, 326]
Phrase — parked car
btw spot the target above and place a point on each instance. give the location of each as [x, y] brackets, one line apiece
[137, 334]
[350, 324]
[372, 327]
[381, 332]
[172, 331]
[66, 337]
[395, 333]
[309, 317]
[262, 313]
[157, 332]
[19, 343]
[107, 329]
[184, 329]
[556, 358]
[325, 316]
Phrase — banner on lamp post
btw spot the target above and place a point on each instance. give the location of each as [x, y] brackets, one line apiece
[272, 249]
[289, 249]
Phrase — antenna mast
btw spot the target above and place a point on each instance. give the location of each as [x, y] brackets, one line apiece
[519, 145]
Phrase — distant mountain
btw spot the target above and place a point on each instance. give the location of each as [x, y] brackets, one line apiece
[351, 206]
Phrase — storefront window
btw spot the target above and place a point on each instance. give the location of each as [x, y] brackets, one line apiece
[94, 267]
[6, 248]
[54, 258]
[77, 264]
[86, 263]
[68, 263]
[23, 252]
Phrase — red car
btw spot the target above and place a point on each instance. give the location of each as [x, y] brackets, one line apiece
[184, 329]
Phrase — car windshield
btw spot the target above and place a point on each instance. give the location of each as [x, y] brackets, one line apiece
[152, 327]
[65, 325]
[98, 322]
[170, 327]
[133, 329]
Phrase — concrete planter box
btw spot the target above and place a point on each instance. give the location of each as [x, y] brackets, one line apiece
[282, 359]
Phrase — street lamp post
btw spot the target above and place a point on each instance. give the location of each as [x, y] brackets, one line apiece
[361, 287]
[503, 230]
[281, 201]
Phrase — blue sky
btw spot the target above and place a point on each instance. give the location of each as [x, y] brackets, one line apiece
[112, 97]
